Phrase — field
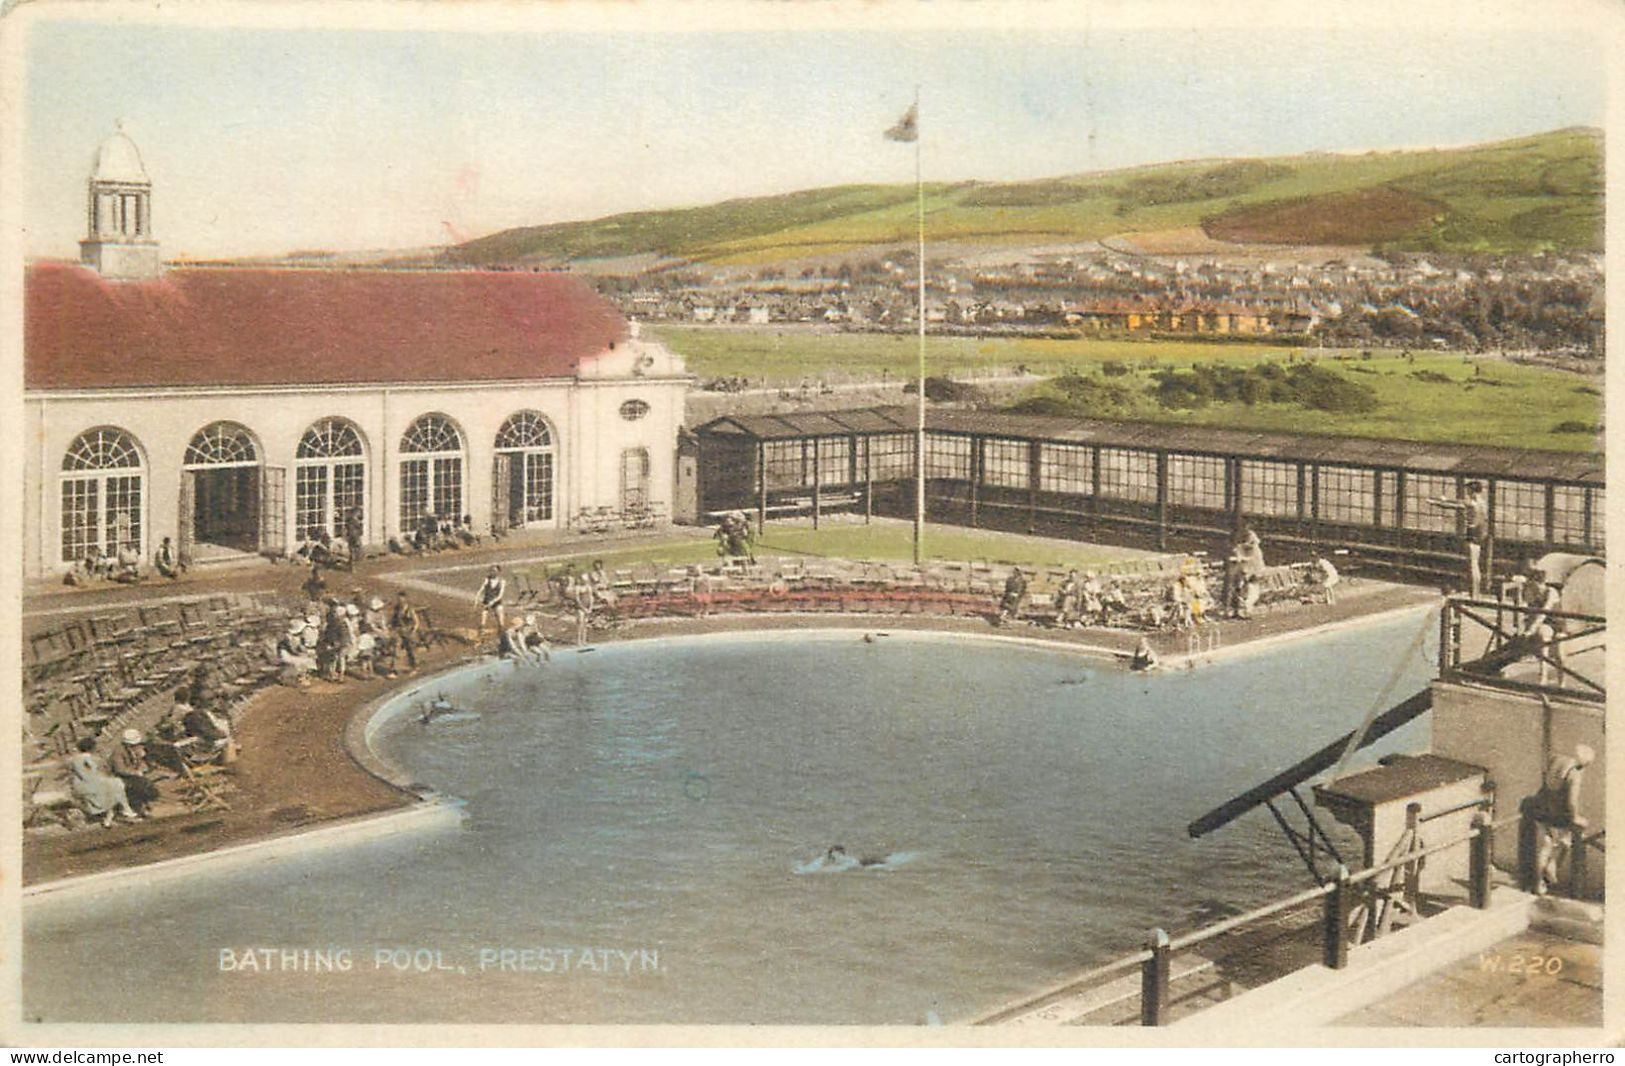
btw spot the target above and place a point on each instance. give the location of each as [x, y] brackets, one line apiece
[1542, 192]
[1431, 396]
[883, 540]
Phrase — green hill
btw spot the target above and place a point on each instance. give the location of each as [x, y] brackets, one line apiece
[1537, 193]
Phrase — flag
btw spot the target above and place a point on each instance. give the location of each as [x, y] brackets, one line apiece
[908, 127]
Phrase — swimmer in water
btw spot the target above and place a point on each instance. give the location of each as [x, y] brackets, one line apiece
[439, 705]
[838, 855]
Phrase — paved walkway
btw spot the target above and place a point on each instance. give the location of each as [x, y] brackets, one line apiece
[1533, 980]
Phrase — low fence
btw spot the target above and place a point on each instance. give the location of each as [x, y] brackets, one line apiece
[1510, 646]
[1350, 902]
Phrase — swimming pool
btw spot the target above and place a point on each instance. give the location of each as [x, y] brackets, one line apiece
[643, 824]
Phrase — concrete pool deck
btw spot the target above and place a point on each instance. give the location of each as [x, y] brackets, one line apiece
[301, 770]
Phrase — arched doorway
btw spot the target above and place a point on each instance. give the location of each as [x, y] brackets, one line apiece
[522, 479]
[635, 480]
[330, 477]
[220, 490]
[431, 471]
[103, 478]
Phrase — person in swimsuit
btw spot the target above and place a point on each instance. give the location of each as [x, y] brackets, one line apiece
[1473, 513]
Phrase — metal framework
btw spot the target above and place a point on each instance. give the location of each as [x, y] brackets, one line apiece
[1145, 482]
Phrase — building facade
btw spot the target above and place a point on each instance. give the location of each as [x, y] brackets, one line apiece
[235, 409]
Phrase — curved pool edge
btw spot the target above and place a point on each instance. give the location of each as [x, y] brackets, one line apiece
[432, 813]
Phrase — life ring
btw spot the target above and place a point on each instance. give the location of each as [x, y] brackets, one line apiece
[778, 589]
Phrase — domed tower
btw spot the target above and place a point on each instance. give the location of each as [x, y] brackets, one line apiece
[119, 243]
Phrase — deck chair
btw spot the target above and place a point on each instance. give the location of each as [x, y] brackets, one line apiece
[429, 634]
[199, 783]
[201, 788]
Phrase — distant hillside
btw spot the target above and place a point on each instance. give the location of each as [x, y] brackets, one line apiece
[1543, 192]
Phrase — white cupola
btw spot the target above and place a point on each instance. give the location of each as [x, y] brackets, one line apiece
[119, 242]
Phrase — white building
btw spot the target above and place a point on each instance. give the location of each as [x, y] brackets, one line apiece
[232, 409]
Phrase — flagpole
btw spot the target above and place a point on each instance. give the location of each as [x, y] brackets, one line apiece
[919, 432]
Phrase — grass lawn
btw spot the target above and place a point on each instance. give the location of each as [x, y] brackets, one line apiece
[883, 540]
[1479, 402]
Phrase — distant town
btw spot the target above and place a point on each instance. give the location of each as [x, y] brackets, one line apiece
[1545, 302]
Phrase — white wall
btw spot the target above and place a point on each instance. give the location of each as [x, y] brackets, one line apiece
[589, 434]
[1507, 733]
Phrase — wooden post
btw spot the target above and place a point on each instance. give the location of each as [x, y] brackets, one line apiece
[1528, 849]
[1314, 502]
[1550, 515]
[1034, 457]
[1094, 487]
[817, 472]
[868, 479]
[1413, 870]
[1336, 923]
[761, 488]
[974, 460]
[1162, 501]
[1481, 860]
[1154, 975]
[1577, 862]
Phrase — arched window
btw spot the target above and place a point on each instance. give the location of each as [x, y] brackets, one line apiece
[222, 444]
[527, 429]
[524, 470]
[431, 471]
[330, 477]
[222, 494]
[432, 433]
[329, 439]
[102, 480]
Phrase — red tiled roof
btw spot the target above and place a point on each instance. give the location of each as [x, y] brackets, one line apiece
[258, 326]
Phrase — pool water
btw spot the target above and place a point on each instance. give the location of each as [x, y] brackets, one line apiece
[648, 825]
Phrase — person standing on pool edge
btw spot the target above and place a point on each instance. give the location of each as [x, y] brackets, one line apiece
[1474, 512]
[490, 597]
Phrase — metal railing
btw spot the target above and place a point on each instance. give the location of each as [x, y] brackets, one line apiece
[1340, 920]
[1338, 924]
[1503, 635]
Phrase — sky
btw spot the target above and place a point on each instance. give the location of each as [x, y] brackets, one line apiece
[267, 140]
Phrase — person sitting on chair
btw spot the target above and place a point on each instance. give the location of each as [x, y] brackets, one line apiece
[129, 566]
[296, 661]
[97, 791]
[375, 624]
[602, 586]
[212, 729]
[1067, 600]
[1015, 591]
[129, 763]
[166, 562]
